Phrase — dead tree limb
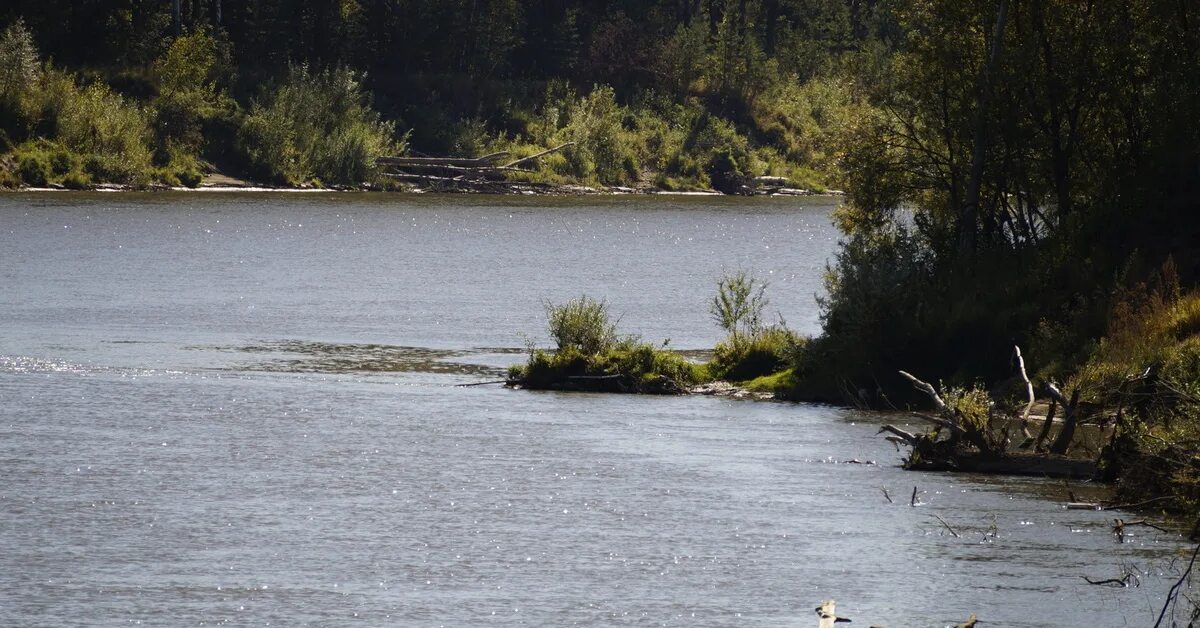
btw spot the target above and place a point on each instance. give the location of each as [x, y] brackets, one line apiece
[462, 162]
[1136, 505]
[1045, 433]
[940, 422]
[1121, 582]
[907, 437]
[1173, 594]
[1028, 389]
[950, 418]
[514, 164]
[1070, 418]
[956, 535]
[928, 389]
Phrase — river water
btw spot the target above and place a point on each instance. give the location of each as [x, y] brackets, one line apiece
[243, 409]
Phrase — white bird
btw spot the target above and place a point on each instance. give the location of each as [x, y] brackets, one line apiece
[828, 616]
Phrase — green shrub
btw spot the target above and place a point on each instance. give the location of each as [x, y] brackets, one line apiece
[93, 121]
[583, 324]
[9, 180]
[63, 161]
[316, 126]
[34, 169]
[20, 70]
[76, 180]
[190, 96]
[602, 149]
[738, 305]
[724, 173]
[588, 346]
[770, 350]
[190, 177]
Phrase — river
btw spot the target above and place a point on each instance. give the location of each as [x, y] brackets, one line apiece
[243, 409]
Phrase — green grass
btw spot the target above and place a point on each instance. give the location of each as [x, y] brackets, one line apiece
[767, 352]
[777, 383]
[636, 367]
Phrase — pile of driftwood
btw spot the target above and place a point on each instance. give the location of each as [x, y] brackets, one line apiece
[959, 444]
[494, 174]
[489, 173]
[779, 186]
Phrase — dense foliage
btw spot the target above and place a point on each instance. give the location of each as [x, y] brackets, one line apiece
[590, 355]
[673, 93]
[1026, 161]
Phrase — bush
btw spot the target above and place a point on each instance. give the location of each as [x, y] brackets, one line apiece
[316, 126]
[34, 169]
[738, 305]
[602, 149]
[588, 346]
[8, 180]
[112, 133]
[724, 172]
[189, 94]
[582, 324]
[190, 177]
[76, 180]
[769, 351]
[20, 70]
[639, 367]
[63, 161]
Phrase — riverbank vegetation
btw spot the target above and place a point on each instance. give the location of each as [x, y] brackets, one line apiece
[664, 94]
[590, 355]
[1019, 175]
[1029, 179]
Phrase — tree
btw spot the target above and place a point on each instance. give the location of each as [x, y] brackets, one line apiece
[738, 305]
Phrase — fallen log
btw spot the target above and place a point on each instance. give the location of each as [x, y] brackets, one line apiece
[514, 164]
[461, 162]
[1039, 465]
[492, 172]
[907, 437]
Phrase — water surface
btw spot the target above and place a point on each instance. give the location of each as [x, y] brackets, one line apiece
[242, 409]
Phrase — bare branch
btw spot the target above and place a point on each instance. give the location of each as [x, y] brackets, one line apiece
[1028, 389]
[956, 535]
[926, 388]
[908, 437]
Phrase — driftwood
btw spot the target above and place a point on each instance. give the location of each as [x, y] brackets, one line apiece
[461, 162]
[906, 437]
[949, 418]
[1045, 433]
[952, 531]
[1029, 390]
[1070, 418]
[464, 174]
[1014, 463]
[1173, 594]
[975, 448]
[514, 164]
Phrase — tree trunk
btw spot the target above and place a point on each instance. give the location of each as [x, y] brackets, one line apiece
[177, 16]
[970, 211]
[1070, 420]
